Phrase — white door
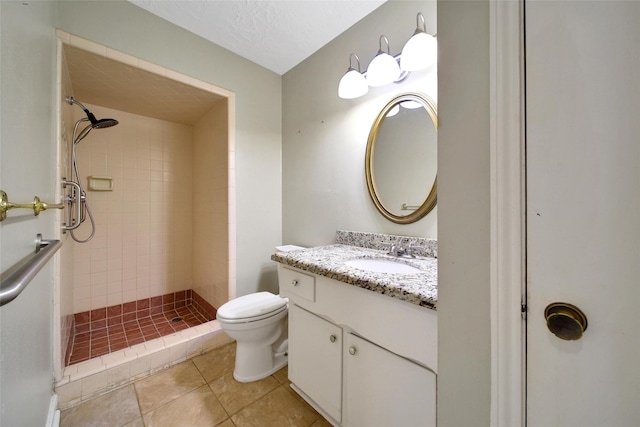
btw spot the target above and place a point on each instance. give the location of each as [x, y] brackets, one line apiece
[583, 210]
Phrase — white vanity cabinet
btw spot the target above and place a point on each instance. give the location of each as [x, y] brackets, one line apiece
[316, 367]
[383, 389]
[361, 358]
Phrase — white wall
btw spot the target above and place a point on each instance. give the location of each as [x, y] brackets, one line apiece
[324, 189]
[129, 29]
[325, 137]
[464, 352]
[27, 147]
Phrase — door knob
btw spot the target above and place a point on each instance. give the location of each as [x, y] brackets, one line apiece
[566, 321]
[332, 338]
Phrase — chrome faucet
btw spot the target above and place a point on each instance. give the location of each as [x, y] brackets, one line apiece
[399, 251]
[396, 250]
[412, 251]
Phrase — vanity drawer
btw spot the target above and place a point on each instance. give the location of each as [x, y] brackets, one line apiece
[297, 283]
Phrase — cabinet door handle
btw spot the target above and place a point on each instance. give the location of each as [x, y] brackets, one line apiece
[352, 351]
[332, 338]
[294, 282]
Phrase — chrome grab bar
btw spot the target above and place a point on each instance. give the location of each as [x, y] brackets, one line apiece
[15, 279]
[36, 205]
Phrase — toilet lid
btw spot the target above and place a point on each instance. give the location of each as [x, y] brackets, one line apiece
[252, 305]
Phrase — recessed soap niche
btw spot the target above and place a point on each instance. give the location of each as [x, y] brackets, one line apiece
[100, 183]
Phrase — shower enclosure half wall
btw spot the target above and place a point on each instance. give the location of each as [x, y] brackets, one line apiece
[142, 293]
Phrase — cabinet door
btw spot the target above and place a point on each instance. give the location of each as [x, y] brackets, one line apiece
[315, 359]
[383, 389]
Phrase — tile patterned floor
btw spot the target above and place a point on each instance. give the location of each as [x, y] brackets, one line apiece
[98, 342]
[195, 393]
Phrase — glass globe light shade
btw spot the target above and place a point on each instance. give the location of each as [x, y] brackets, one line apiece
[411, 105]
[393, 111]
[420, 52]
[352, 85]
[382, 70]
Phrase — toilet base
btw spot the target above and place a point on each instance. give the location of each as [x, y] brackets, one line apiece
[258, 360]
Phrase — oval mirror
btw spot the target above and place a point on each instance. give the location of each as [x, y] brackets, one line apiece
[401, 161]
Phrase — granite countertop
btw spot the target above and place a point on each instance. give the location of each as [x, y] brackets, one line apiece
[417, 288]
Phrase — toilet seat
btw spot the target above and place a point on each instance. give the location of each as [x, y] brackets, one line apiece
[251, 308]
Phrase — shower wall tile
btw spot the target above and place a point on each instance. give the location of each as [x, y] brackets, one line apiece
[142, 246]
[114, 290]
[211, 188]
[142, 293]
[98, 301]
[144, 243]
[114, 264]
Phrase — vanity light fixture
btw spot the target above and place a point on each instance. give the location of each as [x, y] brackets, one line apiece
[420, 52]
[395, 110]
[384, 68]
[411, 105]
[352, 84]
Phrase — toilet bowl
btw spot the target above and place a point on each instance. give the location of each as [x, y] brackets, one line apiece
[258, 324]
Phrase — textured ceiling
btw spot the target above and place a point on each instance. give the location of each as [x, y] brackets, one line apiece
[275, 34]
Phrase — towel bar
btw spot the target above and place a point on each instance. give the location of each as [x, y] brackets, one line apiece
[15, 279]
[406, 207]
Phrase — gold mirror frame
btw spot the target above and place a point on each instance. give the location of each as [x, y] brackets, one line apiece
[431, 199]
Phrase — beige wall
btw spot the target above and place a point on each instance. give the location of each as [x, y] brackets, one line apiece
[142, 246]
[325, 137]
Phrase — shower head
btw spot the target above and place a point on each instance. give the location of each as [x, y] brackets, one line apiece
[104, 123]
[95, 124]
[98, 124]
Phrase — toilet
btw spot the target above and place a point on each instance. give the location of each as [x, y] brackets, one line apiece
[258, 323]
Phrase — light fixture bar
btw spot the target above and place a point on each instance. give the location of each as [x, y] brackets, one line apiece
[420, 52]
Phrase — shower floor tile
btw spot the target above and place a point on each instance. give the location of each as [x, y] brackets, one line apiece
[96, 343]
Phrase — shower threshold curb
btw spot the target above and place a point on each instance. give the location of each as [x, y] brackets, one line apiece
[92, 378]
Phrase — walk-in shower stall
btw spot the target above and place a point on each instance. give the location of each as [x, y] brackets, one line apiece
[147, 257]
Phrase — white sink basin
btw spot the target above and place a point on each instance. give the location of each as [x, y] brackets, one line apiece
[382, 266]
